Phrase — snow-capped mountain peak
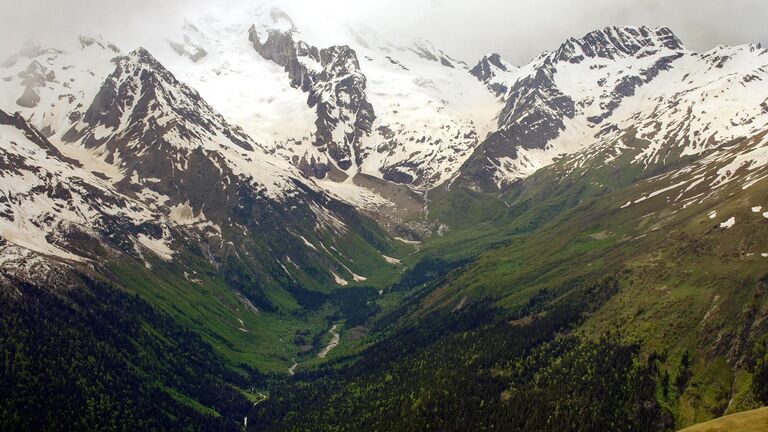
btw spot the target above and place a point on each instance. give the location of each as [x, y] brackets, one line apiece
[153, 126]
[617, 42]
[142, 92]
[495, 72]
[150, 164]
[426, 50]
[50, 86]
[596, 88]
[329, 103]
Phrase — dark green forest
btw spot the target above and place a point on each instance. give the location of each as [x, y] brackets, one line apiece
[477, 369]
[97, 358]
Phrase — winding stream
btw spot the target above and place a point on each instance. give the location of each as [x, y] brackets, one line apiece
[333, 344]
[335, 340]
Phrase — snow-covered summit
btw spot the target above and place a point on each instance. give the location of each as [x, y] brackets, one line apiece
[618, 41]
[495, 72]
[336, 102]
[596, 88]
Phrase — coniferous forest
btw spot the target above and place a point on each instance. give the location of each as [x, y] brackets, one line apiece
[100, 359]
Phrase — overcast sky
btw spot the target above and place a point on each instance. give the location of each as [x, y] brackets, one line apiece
[518, 29]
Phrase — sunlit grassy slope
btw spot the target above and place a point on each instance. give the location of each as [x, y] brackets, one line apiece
[747, 421]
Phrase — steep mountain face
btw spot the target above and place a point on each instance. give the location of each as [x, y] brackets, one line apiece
[664, 189]
[142, 90]
[153, 127]
[32, 78]
[361, 109]
[650, 168]
[50, 200]
[175, 172]
[336, 89]
[348, 128]
[368, 116]
[595, 89]
[494, 72]
[426, 50]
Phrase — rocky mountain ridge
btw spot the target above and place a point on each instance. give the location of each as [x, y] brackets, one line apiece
[596, 88]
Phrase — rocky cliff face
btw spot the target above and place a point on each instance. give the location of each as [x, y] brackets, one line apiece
[337, 100]
[54, 207]
[534, 113]
[493, 71]
[613, 43]
[155, 129]
[336, 88]
[34, 77]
